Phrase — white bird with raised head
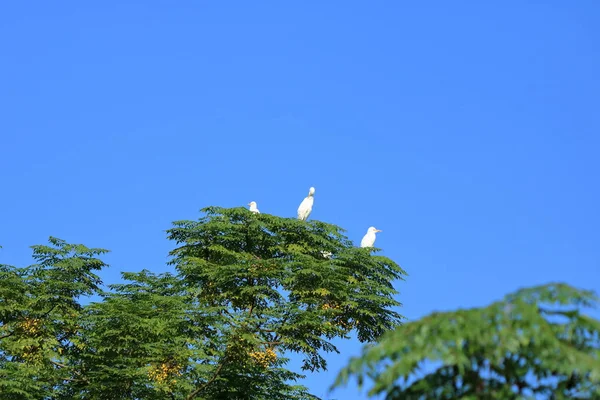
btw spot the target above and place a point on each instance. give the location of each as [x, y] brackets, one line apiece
[253, 208]
[369, 239]
[306, 205]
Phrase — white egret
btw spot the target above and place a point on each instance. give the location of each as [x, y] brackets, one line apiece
[253, 208]
[326, 254]
[369, 239]
[306, 205]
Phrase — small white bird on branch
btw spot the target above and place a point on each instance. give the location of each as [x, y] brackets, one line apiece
[369, 239]
[306, 205]
[326, 254]
[253, 208]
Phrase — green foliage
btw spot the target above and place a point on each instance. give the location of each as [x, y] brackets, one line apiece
[269, 275]
[39, 313]
[534, 343]
[247, 290]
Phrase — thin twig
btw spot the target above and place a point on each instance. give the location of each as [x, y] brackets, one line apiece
[82, 378]
[58, 364]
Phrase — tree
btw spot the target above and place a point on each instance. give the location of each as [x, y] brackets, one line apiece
[247, 290]
[536, 342]
[39, 314]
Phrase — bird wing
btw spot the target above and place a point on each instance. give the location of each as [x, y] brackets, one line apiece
[367, 241]
[302, 206]
[305, 208]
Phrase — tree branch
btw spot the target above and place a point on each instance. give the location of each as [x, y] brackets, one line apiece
[82, 378]
[208, 382]
[251, 307]
[7, 335]
[58, 364]
[49, 311]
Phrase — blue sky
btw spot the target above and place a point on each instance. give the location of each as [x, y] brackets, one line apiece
[467, 131]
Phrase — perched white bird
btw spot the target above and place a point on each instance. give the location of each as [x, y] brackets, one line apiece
[369, 239]
[306, 205]
[326, 254]
[253, 208]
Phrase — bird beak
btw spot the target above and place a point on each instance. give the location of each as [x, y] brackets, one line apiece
[378, 230]
[249, 204]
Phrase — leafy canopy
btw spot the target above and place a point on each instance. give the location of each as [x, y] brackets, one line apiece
[247, 290]
[536, 342]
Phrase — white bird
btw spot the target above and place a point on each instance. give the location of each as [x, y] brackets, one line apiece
[369, 239]
[326, 254]
[306, 205]
[253, 208]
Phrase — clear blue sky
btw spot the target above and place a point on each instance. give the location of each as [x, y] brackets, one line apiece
[468, 131]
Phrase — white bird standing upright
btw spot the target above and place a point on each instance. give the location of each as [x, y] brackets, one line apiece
[369, 239]
[253, 208]
[306, 205]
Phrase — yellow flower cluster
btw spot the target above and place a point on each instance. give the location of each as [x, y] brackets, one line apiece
[31, 354]
[346, 324]
[31, 326]
[264, 358]
[164, 373]
[340, 320]
[327, 306]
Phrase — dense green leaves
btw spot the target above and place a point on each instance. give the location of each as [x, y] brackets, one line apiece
[535, 342]
[248, 289]
[39, 314]
[270, 276]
